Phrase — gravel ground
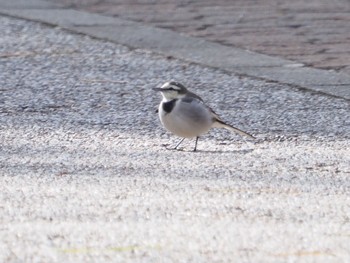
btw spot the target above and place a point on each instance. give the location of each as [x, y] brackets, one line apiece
[86, 176]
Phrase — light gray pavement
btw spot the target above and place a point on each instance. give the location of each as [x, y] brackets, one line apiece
[332, 80]
[85, 175]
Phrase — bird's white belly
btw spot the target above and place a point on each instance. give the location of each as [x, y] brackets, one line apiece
[187, 123]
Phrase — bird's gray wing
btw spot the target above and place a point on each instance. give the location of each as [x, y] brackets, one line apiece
[190, 99]
[190, 94]
[218, 122]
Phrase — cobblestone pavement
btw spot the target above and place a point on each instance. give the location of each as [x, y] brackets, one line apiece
[315, 32]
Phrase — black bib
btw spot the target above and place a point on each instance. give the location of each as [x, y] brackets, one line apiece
[169, 105]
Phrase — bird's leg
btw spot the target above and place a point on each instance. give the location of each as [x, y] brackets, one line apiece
[195, 146]
[177, 145]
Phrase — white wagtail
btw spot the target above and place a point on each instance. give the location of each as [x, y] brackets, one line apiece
[186, 115]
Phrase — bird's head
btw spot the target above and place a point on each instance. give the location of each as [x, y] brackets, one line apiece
[172, 90]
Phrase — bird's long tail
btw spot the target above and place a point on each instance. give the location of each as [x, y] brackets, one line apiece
[220, 124]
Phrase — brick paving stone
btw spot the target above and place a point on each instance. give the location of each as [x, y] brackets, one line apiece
[303, 31]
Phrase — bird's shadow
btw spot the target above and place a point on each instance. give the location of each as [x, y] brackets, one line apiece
[245, 151]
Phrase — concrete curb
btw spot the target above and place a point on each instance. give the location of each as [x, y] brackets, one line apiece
[137, 35]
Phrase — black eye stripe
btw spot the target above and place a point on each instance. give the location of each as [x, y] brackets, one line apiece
[172, 88]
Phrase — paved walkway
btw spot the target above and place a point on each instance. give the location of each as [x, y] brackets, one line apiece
[138, 26]
[85, 175]
[315, 33]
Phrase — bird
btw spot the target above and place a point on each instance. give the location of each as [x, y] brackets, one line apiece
[186, 115]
